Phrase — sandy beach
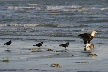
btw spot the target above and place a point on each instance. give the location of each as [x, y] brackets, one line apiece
[74, 59]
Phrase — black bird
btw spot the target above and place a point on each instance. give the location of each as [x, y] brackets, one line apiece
[8, 43]
[64, 45]
[87, 37]
[39, 44]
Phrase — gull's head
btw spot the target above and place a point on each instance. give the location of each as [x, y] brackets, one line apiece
[90, 46]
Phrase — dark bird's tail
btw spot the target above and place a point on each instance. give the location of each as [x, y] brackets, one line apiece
[34, 45]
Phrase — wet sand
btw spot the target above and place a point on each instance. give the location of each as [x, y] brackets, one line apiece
[74, 59]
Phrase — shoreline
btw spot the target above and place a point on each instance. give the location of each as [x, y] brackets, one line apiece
[21, 58]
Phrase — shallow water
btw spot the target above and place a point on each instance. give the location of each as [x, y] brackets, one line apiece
[52, 18]
[27, 22]
[21, 58]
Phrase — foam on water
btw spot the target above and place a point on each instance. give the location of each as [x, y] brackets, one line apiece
[69, 30]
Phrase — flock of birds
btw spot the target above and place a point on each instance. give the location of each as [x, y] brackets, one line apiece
[85, 36]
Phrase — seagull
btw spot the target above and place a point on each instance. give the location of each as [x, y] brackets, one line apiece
[89, 47]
